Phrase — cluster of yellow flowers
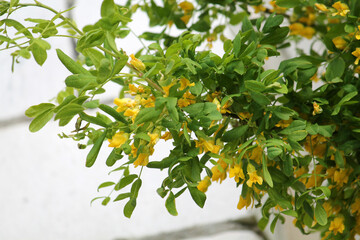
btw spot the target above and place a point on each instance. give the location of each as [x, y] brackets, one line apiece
[187, 8]
[229, 164]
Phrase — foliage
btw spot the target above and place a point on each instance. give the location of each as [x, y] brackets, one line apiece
[291, 134]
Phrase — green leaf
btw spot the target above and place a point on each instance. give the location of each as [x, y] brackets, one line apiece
[147, 115]
[108, 8]
[18, 26]
[94, 152]
[234, 134]
[272, 21]
[38, 52]
[273, 152]
[70, 64]
[92, 104]
[105, 184]
[263, 222]
[66, 113]
[122, 196]
[186, 136]
[288, 4]
[129, 207]
[291, 213]
[339, 159]
[255, 86]
[143, 136]
[125, 181]
[335, 69]
[112, 112]
[297, 135]
[260, 98]
[273, 223]
[279, 199]
[294, 126]
[325, 190]
[237, 44]
[136, 187]
[266, 173]
[275, 37]
[91, 119]
[171, 103]
[320, 214]
[39, 121]
[283, 113]
[36, 110]
[326, 130]
[198, 196]
[170, 204]
[79, 80]
[248, 50]
[345, 99]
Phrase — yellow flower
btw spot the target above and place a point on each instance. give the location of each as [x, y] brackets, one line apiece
[166, 136]
[118, 139]
[328, 208]
[277, 9]
[259, 8]
[355, 207]
[308, 32]
[357, 69]
[207, 146]
[339, 42]
[136, 63]
[244, 202]
[142, 160]
[186, 6]
[256, 154]
[133, 150]
[311, 181]
[150, 102]
[204, 184]
[133, 90]
[254, 178]
[186, 100]
[337, 225]
[317, 109]
[185, 18]
[245, 115]
[167, 89]
[321, 7]
[356, 53]
[154, 138]
[222, 109]
[299, 29]
[219, 171]
[315, 78]
[357, 34]
[237, 172]
[334, 20]
[317, 146]
[342, 9]
[341, 177]
[299, 172]
[124, 103]
[131, 113]
[309, 20]
[185, 83]
[296, 28]
[284, 123]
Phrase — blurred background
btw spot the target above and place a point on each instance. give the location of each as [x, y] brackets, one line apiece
[46, 189]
